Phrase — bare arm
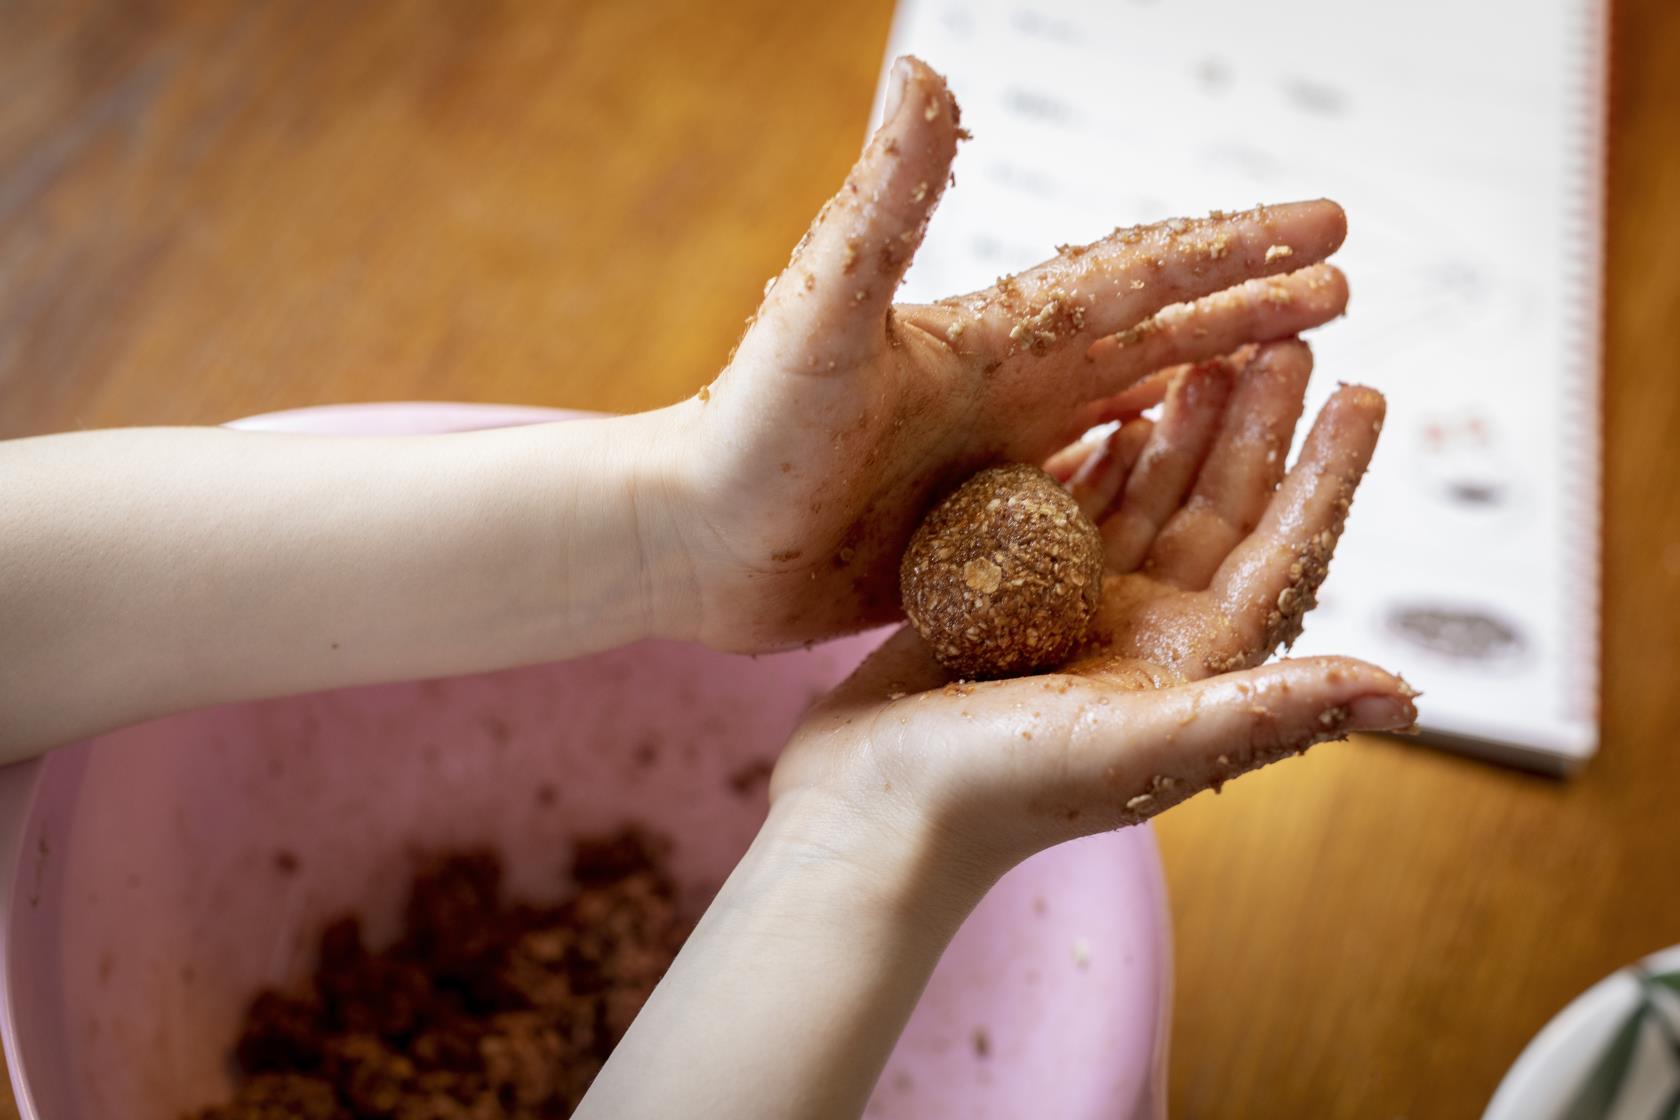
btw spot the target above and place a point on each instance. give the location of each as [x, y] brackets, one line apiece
[150, 570]
[791, 992]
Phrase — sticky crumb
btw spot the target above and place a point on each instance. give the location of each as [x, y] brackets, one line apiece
[920, 192]
[955, 331]
[931, 112]
[647, 752]
[1141, 802]
[1278, 252]
[751, 777]
[896, 695]
[1041, 328]
[1135, 334]
[1278, 295]
[848, 258]
[705, 393]
[810, 282]
[861, 294]
[1138, 285]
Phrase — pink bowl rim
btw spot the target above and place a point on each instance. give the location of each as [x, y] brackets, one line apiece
[403, 418]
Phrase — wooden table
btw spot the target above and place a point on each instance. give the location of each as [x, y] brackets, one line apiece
[214, 209]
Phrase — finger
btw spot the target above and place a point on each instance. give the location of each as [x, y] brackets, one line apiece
[1167, 466]
[1085, 756]
[1159, 748]
[1242, 469]
[1064, 464]
[1097, 482]
[1146, 358]
[1103, 288]
[1138, 397]
[1257, 311]
[826, 308]
[1270, 580]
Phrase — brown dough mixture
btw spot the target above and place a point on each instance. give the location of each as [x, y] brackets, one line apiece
[1003, 576]
[481, 1010]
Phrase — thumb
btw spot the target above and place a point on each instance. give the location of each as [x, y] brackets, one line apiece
[824, 311]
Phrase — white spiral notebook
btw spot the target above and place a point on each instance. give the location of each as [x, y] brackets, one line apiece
[1466, 142]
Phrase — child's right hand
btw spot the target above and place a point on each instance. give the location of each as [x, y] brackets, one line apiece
[903, 796]
[1214, 556]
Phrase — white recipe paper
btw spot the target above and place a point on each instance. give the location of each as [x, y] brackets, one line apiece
[1465, 141]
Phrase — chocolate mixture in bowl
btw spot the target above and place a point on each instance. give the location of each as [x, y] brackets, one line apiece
[481, 1010]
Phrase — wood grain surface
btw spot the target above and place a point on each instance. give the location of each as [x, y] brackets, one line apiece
[213, 209]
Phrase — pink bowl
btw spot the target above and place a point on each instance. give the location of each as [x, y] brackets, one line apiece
[155, 877]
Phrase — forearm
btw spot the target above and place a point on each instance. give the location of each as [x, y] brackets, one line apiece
[791, 992]
[149, 570]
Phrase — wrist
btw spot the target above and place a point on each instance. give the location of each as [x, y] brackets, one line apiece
[815, 951]
[873, 868]
[652, 460]
[615, 490]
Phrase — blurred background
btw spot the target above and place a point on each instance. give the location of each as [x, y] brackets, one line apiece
[209, 210]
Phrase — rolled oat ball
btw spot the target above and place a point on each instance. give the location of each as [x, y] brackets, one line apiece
[1003, 576]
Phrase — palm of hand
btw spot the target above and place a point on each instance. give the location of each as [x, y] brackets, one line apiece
[1213, 556]
[841, 416]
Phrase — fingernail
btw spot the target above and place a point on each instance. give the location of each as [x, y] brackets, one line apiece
[895, 90]
[1381, 713]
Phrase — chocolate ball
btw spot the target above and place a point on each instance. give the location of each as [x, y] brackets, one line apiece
[1003, 576]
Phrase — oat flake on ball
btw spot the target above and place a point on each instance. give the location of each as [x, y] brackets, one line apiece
[1003, 576]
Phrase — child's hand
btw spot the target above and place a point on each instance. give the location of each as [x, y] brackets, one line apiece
[902, 797]
[1212, 565]
[808, 462]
